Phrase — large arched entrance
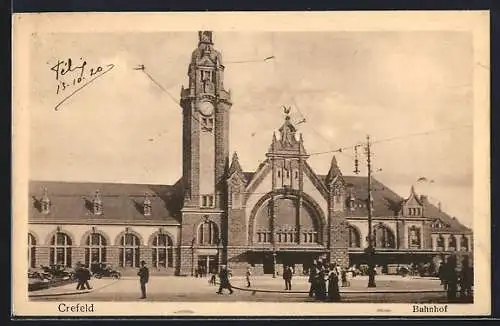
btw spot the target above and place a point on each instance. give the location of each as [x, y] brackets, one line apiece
[286, 229]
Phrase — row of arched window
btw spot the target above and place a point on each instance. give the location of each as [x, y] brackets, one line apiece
[384, 238]
[96, 250]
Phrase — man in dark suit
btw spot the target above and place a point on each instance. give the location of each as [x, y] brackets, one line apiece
[287, 276]
[224, 280]
[143, 278]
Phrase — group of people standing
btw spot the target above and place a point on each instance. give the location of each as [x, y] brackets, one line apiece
[325, 281]
[451, 279]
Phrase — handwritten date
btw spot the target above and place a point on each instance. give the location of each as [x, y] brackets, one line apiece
[75, 76]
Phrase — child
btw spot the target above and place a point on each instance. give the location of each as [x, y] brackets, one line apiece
[248, 273]
[212, 280]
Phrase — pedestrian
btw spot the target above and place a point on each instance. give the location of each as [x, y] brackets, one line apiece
[287, 276]
[441, 274]
[312, 279]
[466, 279]
[333, 285]
[451, 279]
[224, 280]
[86, 276]
[343, 276]
[79, 276]
[213, 277]
[248, 274]
[321, 284]
[143, 278]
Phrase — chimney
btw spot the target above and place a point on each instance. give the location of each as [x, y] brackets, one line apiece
[439, 206]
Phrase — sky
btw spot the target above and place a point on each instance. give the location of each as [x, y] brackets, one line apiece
[347, 85]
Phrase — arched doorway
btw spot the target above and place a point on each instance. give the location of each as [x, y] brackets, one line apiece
[285, 229]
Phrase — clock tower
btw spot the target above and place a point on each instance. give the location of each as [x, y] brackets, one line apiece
[206, 105]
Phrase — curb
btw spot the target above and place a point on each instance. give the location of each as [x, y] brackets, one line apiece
[341, 291]
[58, 294]
[254, 291]
[75, 292]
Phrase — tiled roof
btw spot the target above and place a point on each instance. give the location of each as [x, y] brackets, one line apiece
[451, 224]
[385, 201]
[70, 201]
[248, 176]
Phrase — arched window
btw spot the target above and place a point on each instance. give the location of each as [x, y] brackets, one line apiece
[414, 237]
[31, 250]
[354, 238]
[452, 243]
[60, 249]
[464, 243]
[129, 250]
[384, 237]
[162, 251]
[208, 234]
[440, 241]
[95, 250]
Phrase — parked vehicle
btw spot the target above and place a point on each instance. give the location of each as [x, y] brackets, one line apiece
[58, 271]
[38, 281]
[99, 270]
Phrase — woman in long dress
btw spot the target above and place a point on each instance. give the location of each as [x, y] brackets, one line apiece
[333, 285]
[321, 294]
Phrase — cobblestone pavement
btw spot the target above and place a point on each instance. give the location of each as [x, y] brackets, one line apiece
[394, 290]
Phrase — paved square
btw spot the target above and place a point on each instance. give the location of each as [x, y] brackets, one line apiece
[264, 289]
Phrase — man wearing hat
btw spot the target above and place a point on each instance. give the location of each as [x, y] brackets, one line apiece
[224, 280]
[143, 278]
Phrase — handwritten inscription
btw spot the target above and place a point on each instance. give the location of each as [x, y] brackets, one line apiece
[71, 77]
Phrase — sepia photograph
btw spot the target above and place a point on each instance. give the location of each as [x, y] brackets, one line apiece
[196, 161]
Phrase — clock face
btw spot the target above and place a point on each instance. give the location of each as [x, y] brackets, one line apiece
[206, 108]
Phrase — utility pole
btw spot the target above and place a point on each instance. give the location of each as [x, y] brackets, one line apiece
[371, 251]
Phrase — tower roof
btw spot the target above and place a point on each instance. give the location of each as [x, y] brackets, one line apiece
[334, 171]
[235, 166]
[288, 143]
[205, 54]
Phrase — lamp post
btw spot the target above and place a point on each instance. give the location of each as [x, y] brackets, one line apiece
[371, 250]
[274, 262]
[192, 256]
[219, 240]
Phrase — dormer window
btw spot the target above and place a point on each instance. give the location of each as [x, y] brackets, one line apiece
[97, 203]
[147, 206]
[45, 202]
[438, 224]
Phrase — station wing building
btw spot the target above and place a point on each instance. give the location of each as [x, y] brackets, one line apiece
[282, 213]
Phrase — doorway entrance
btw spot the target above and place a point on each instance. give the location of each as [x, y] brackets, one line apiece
[268, 264]
[207, 264]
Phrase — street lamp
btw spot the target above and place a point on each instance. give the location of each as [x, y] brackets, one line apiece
[218, 242]
[274, 262]
[192, 256]
[371, 250]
